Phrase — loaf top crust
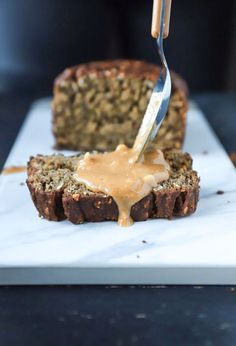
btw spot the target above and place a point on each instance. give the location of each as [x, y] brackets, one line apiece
[120, 68]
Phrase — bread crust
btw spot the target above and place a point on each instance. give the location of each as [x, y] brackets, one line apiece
[79, 209]
[48, 204]
[124, 67]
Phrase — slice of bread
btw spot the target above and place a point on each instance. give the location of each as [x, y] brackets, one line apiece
[58, 196]
[109, 99]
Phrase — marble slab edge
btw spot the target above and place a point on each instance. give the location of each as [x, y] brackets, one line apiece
[212, 275]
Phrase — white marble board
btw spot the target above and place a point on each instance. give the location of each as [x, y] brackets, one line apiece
[200, 249]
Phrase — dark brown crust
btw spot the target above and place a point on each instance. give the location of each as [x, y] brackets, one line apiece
[48, 204]
[78, 209]
[176, 203]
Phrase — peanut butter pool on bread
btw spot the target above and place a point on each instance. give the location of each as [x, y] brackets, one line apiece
[119, 175]
[99, 105]
[57, 195]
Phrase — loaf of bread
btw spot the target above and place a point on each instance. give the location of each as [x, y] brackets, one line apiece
[57, 195]
[98, 105]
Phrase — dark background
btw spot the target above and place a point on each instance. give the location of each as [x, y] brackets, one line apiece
[38, 39]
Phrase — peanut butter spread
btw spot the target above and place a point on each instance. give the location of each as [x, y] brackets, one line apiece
[118, 175]
[14, 169]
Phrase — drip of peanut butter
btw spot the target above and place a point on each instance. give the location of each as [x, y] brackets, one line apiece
[118, 175]
[14, 169]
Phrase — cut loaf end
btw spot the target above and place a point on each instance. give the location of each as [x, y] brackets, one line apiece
[99, 105]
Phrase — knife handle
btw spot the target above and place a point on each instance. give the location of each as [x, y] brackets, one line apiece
[156, 18]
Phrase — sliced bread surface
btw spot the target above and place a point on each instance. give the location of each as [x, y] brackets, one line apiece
[58, 196]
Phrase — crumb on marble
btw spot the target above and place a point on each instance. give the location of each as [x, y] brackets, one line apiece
[205, 152]
[144, 241]
[22, 184]
[138, 256]
[220, 192]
